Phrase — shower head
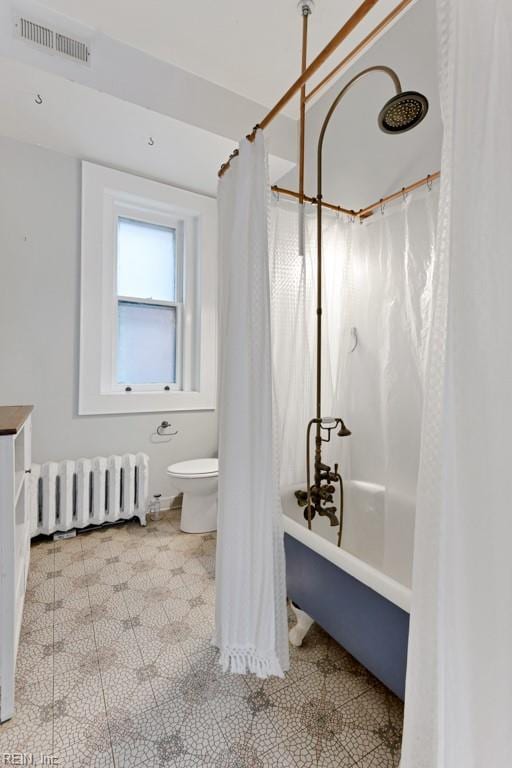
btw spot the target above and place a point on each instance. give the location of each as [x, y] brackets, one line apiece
[402, 112]
[344, 431]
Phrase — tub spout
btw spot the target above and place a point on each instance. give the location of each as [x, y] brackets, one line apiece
[330, 512]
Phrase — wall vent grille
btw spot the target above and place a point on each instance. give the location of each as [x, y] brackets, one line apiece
[36, 33]
[53, 40]
[70, 47]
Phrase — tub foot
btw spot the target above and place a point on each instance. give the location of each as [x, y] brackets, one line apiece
[304, 622]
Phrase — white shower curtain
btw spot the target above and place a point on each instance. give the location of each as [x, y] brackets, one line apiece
[292, 339]
[251, 624]
[458, 711]
[377, 295]
[293, 287]
[392, 258]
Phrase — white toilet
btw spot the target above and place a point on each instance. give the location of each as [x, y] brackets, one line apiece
[197, 480]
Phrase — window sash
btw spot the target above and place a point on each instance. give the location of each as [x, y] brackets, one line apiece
[153, 386]
[153, 218]
[151, 302]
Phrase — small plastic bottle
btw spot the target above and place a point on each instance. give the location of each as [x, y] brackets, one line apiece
[154, 507]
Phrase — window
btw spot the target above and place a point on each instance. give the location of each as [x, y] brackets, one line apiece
[149, 306]
[148, 296]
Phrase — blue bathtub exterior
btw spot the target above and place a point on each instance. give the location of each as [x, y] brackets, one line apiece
[370, 627]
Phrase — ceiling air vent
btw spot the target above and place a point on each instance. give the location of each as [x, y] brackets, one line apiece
[52, 40]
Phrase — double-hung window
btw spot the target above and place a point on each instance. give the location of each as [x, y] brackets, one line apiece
[148, 303]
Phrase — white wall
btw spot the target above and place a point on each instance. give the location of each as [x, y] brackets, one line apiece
[39, 322]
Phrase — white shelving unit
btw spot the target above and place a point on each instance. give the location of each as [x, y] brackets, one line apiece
[15, 531]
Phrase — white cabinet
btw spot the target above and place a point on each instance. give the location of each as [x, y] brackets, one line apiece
[15, 530]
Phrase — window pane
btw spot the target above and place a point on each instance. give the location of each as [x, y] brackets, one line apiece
[146, 260]
[146, 344]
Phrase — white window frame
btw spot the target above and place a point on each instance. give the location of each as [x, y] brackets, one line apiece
[108, 195]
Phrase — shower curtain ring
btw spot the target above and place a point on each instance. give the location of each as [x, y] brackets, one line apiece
[382, 206]
[429, 182]
[404, 194]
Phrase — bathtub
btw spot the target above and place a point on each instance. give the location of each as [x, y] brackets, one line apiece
[359, 593]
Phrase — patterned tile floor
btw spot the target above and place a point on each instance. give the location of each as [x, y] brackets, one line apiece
[115, 668]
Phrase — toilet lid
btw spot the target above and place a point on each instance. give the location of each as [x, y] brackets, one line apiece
[195, 468]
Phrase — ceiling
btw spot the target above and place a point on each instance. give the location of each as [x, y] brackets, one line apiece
[251, 48]
[91, 125]
[91, 119]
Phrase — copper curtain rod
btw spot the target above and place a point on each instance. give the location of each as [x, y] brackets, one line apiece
[358, 15]
[309, 199]
[363, 213]
[360, 46]
[389, 198]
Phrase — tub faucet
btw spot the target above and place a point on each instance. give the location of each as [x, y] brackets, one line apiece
[321, 491]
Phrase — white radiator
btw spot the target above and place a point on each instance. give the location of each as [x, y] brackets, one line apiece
[75, 494]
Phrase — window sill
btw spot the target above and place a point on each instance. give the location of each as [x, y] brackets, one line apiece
[144, 402]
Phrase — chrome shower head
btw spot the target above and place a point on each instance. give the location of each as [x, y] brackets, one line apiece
[402, 112]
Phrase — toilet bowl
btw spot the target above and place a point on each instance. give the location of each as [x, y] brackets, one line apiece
[197, 480]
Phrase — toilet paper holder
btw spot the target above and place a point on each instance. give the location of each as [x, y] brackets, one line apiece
[163, 427]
